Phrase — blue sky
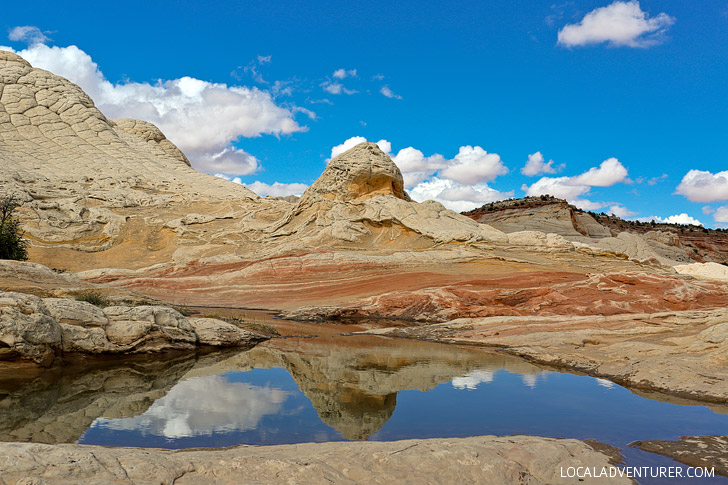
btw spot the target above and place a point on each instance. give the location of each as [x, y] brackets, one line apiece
[264, 91]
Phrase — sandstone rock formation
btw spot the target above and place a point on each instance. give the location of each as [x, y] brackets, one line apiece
[669, 244]
[360, 199]
[116, 200]
[39, 330]
[483, 459]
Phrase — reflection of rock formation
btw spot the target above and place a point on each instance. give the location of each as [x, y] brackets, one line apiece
[353, 381]
[58, 405]
[226, 406]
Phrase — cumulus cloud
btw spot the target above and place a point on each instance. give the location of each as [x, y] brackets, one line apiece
[474, 165]
[343, 73]
[202, 118]
[587, 205]
[27, 33]
[703, 186]
[276, 189]
[721, 214]
[618, 24]
[459, 183]
[456, 196]
[682, 218]
[536, 166]
[621, 211]
[608, 173]
[389, 93]
[416, 167]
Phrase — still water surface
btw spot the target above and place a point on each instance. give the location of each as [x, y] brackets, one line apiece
[334, 388]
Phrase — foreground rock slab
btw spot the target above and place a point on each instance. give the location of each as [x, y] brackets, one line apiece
[695, 451]
[484, 459]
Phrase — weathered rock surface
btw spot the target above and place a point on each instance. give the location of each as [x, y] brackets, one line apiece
[38, 329]
[360, 199]
[544, 293]
[668, 244]
[484, 459]
[710, 452]
[678, 353]
[710, 271]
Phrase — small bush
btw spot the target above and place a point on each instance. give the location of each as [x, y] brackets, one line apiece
[12, 243]
[254, 326]
[93, 298]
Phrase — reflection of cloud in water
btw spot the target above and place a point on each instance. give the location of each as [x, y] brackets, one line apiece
[531, 380]
[471, 380]
[605, 383]
[204, 405]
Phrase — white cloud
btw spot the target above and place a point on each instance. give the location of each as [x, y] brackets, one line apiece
[416, 167]
[277, 189]
[456, 196]
[27, 33]
[618, 24]
[621, 211]
[536, 166]
[202, 118]
[343, 73]
[656, 180]
[561, 187]
[336, 88]
[587, 205]
[721, 214]
[674, 219]
[609, 172]
[389, 93]
[473, 165]
[703, 186]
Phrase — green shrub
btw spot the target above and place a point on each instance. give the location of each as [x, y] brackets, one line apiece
[93, 298]
[12, 243]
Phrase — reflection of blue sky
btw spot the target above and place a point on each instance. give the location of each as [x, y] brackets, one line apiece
[203, 406]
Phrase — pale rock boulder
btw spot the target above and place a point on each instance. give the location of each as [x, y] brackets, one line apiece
[36, 329]
[211, 331]
[27, 330]
[710, 271]
[540, 241]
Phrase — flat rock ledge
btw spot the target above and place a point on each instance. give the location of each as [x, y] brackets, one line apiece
[42, 329]
[695, 451]
[483, 459]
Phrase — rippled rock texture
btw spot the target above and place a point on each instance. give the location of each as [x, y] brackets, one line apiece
[484, 459]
